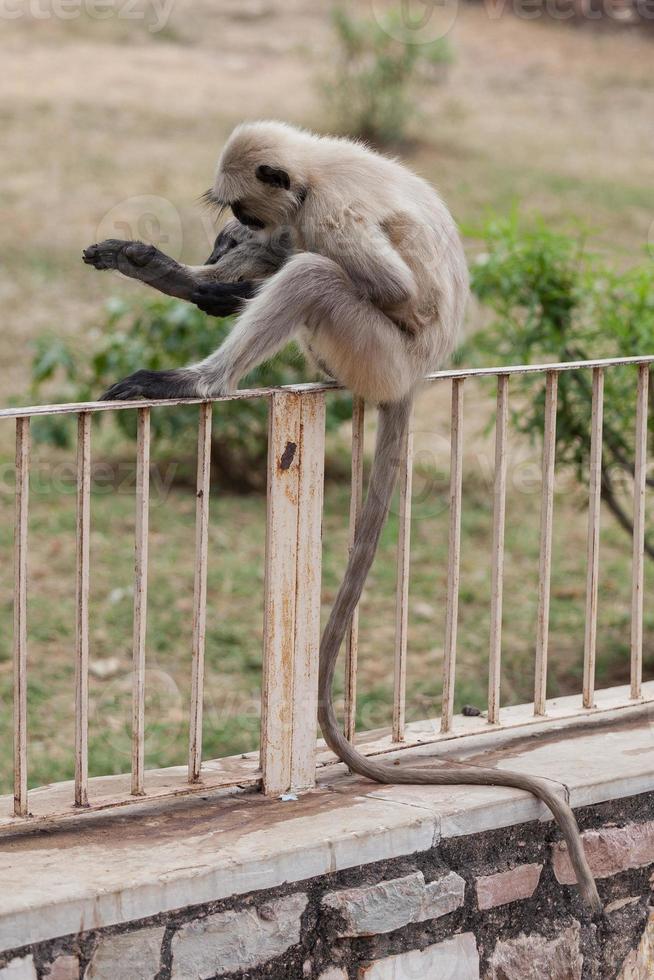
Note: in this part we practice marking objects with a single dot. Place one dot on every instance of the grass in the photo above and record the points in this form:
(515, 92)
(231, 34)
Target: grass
(524, 117)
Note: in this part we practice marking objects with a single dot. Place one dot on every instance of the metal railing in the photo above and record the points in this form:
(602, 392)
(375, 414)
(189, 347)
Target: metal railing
(289, 751)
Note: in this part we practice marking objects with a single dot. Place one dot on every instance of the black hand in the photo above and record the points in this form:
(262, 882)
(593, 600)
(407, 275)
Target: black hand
(152, 384)
(223, 298)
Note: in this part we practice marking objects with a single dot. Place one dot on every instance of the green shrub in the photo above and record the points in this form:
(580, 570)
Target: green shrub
(162, 333)
(369, 93)
(553, 300)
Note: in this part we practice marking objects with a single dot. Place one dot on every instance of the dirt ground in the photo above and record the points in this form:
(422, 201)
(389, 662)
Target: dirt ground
(98, 115)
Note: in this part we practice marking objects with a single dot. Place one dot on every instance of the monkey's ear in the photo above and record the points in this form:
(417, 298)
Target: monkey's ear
(273, 176)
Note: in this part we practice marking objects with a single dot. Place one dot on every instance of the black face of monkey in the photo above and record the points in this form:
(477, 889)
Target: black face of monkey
(249, 220)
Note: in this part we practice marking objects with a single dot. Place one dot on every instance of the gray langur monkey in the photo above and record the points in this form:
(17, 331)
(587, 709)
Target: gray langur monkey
(375, 292)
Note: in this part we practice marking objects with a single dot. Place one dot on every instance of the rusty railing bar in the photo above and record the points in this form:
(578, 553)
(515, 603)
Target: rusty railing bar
(545, 560)
(82, 610)
(638, 563)
(203, 489)
(594, 513)
(352, 635)
(313, 387)
(497, 559)
(140, 600)
(454, 555)
(20, 615)
(402, 592)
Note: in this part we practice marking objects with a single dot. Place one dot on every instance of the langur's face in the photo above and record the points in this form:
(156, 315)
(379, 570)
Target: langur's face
(261, 194)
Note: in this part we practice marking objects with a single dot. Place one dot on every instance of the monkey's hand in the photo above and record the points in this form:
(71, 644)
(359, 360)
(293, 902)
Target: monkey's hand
(134, 259)
(223, 298)
(181, 383)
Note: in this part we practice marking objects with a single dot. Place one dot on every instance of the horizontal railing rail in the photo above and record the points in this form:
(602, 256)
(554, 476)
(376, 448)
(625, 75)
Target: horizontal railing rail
(289, 752)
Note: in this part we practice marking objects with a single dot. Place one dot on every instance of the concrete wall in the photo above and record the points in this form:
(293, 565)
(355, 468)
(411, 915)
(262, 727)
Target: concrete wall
(496, 905)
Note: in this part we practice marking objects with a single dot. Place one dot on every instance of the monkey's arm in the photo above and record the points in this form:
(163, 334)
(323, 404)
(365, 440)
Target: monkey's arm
(151, 266)
(375, 267)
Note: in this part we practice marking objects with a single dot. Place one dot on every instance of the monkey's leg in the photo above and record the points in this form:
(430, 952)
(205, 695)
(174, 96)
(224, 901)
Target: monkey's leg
(364, 349)
(360, 346)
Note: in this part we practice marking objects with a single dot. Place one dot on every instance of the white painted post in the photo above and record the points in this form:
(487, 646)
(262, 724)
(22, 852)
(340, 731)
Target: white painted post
(296, 452)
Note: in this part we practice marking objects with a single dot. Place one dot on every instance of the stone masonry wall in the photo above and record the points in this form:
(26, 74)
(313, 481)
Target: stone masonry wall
(498, 906)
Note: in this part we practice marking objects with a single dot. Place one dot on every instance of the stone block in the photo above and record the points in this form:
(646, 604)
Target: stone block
(63, 968)
(455, 959)
(508, 886)
(237, 940)
(127, 956)
(384, 907)
(20, 968)
(609, 851)
(538, 956)
(442, 896)
(388, 905)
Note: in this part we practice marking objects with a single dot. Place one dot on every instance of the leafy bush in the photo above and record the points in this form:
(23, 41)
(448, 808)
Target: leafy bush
(369, 94)
(555, 300)
(156, 334)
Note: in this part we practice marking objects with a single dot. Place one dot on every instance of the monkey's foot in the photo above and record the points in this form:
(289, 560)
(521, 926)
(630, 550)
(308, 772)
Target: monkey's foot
(154, 384)
(223, 298)
(134, 259)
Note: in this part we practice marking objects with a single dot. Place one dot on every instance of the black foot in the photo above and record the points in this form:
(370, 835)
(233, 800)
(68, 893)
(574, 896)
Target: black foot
(223, 298)
(152, 384)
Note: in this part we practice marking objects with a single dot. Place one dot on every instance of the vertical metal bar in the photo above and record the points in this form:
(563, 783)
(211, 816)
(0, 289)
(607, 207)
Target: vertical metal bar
(497, 560)
(20, 616)
(352, 635)
(545, 561)
(203, 488)
(402, 592)
(140, 599)
(454, 555)
(638, 564)
(284, 436)
(594, 504)
(82, 606)
(307, 592)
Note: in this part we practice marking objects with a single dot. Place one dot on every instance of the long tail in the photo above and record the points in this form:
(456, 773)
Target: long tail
(391, 435)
